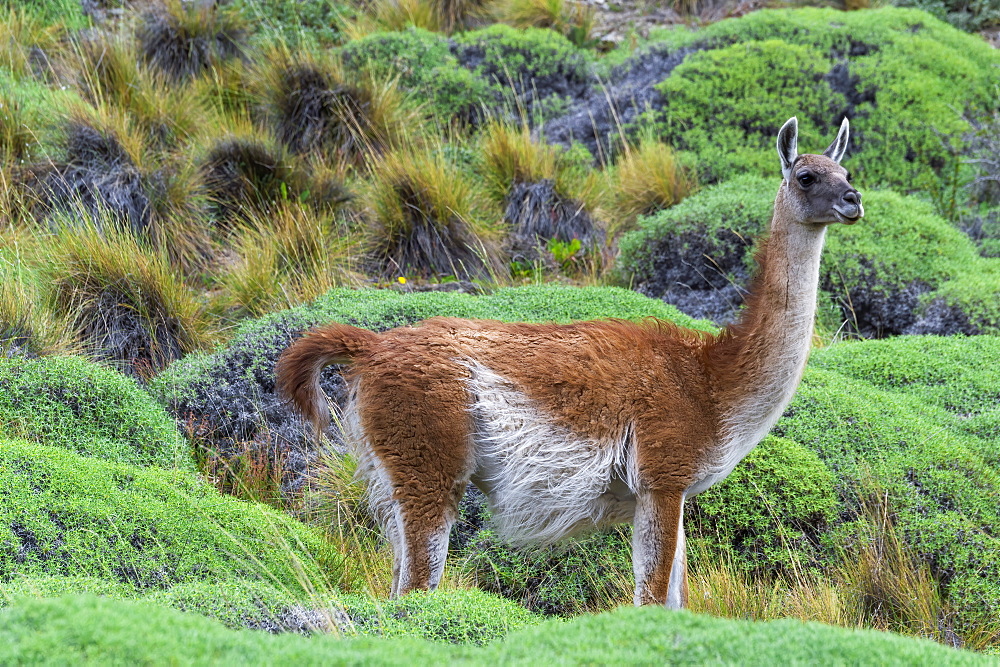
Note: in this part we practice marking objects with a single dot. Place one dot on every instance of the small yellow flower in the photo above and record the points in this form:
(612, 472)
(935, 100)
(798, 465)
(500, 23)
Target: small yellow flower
(402, 280)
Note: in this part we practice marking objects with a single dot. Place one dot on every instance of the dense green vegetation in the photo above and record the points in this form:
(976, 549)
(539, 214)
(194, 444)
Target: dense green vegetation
(910, 85)
(89, 630)
(186, 187)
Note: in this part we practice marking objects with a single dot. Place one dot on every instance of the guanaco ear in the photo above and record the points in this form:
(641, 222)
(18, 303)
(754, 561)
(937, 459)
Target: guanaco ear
(837, 149)
(788, 146)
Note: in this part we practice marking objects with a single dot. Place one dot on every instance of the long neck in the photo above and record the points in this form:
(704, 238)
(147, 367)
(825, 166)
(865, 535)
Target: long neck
(757, 363)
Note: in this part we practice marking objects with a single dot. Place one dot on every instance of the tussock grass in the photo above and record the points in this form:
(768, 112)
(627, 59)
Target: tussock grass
(511, 155)
(110, 75)
(27, 321)
(108, 173)
(428, 217)
(288, 257)
(25, 39)
(185, 39)
(572, 19)
(130, 308)
(649, 177)
(336, 500)
(314, 106)
(245, 175)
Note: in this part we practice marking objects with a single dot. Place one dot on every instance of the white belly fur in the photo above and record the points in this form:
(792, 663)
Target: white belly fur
(543, 481)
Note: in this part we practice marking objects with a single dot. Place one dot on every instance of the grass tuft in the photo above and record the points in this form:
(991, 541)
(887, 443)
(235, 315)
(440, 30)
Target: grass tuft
(288, 257)
(128, 305)
(649, 177)
(183, 40)
(429, 218)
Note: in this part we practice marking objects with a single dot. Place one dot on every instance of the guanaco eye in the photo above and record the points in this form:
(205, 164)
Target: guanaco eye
(805, 180)
(849, 175)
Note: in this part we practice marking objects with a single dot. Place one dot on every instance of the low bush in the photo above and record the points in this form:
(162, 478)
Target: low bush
(304, 24)
(892, 71)
(936, 479)
(455, 616)
(75, 404)
(532, 73)
(695, 254)
(770, 514)
(424, 66)
(70, 515)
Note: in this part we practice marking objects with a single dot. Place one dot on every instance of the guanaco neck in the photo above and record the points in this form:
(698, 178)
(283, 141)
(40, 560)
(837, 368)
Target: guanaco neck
(757, 363)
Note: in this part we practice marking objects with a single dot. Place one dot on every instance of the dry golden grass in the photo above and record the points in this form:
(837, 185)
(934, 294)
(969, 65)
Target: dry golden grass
(510, 155)
(89, 267)
(286, 258)
(572, 19)
(429, 217)
(647, 178)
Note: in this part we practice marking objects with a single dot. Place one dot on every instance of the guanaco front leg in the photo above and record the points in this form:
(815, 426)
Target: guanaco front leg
(659, 558)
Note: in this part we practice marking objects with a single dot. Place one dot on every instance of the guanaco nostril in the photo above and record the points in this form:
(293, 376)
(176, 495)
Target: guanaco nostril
(853, 197)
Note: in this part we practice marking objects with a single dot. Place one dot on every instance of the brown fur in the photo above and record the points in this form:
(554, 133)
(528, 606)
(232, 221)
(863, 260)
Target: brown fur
(677, 395)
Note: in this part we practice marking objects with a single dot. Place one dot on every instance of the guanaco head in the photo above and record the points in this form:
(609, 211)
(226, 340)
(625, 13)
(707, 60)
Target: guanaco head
(817, 190)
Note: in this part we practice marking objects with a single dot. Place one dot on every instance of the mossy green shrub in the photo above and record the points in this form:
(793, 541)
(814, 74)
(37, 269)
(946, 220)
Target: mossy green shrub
(67, 13)
(904, 78)
(423, 64)
(70, 515)
(239, 603)
(535, 70)
(770, 513)
(51, 586)
(571, 577)
(81, 406)
(902, 269)
(92, 630)
(955, 373)
(940, 483)
(970, 16)
(456, 616)
(724, 103)
(304, 24)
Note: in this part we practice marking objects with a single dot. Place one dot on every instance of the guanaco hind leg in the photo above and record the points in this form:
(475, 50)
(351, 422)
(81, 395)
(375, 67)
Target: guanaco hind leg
(659, 558)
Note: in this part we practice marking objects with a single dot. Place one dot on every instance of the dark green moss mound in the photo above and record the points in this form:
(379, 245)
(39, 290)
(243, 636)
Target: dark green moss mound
(770, 513)
(454, 616)
(902, 270)
(941, 482)
(68, 515)
(78, 405)
(538, 67)
(423, 64)
(904, 78)
(89, 630)
(573, 577)
(303, 24)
